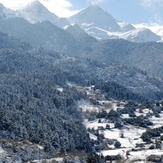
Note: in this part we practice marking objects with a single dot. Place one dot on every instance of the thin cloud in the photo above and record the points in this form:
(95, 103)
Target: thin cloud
(61, 8)
(155, 7)
(152, 3)
(16, 4)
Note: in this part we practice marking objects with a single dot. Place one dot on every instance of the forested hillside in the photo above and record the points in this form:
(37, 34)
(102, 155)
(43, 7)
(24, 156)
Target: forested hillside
(39, 105)
(32, 108)
(145, 56)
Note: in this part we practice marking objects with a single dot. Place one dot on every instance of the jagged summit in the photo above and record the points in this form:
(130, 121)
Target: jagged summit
(34, 6)
(94, 7)
(6, 12)
(95, 16)
(37, 12)
(35, 3)
(1, 6)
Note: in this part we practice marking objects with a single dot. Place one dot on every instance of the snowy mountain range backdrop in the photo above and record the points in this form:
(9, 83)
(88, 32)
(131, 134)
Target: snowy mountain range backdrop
(94, 20)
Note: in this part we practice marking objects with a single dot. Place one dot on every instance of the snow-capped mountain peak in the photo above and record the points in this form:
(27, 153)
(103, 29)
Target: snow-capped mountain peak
(37, 12)
(5, 12)
(95, 16)
(35, 6)
(93, 8)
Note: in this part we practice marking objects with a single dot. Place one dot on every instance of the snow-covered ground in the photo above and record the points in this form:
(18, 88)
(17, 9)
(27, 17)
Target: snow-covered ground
(132, 149)
(157, 121)
(87, 106)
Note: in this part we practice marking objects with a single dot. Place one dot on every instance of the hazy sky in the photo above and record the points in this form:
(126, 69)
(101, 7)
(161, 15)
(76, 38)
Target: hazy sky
(133, 11)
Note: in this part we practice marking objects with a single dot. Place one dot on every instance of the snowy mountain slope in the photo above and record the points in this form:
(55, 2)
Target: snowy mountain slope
(157, 29)
(101, 34)
(125, 26)
(94, 16)
(145, 56)
(6, 13)
(36, 12)
(44, 34)
(140, 35)
(76, 31)
(135, 35)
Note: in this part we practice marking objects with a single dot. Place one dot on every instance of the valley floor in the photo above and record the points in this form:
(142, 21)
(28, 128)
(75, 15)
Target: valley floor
(104, 132)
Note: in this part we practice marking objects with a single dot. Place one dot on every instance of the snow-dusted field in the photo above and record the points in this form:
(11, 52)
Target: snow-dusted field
(132, 148)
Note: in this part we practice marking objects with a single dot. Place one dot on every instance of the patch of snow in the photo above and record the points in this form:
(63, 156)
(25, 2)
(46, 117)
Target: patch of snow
(1, 150)
(71, 84)
(87, 106)
(92, 136)
(144, 154)
(157, 121)
(114, 152)
(60, 89)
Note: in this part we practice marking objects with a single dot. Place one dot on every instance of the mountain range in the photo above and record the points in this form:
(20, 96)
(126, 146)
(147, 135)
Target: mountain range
(74, 39)
(101, 25)
(94, 20)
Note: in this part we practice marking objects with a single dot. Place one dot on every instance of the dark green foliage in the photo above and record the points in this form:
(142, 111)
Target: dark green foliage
(39, 120)
(158, 145)
(117, 144)
(8, 42)
(117, 91)
(113, 114)
(112, 158)
(94, 158)
(141, 121)
(101, 114)
(161, 138)
(118, 124)
(151, 147)
(152, 133)
(32, 108)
